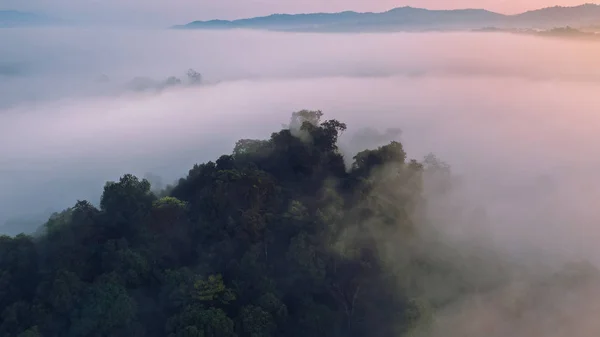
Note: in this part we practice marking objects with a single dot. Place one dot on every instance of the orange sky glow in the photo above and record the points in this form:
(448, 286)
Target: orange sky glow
(502, 6)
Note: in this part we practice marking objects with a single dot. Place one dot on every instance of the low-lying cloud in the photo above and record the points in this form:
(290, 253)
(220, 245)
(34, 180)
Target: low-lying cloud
(516, 112)
(514, 116)
(54, 63)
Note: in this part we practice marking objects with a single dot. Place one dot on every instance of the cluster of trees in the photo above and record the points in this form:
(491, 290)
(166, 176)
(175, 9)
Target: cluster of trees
(271, 240)
(567, 32)
(144, 83)
(278, 238)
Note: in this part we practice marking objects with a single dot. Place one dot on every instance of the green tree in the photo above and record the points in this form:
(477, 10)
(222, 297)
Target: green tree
(195, 320)
(106, 310)
(256, 322)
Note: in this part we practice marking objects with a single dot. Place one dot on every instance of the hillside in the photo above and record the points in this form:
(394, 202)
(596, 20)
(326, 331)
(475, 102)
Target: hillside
(410, 18)
(247, 245)
(276, 239)
(578, 16)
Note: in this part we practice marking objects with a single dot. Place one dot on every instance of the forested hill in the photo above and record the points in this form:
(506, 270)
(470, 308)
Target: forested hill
(410, 18)
(278, 238)
(243, 246)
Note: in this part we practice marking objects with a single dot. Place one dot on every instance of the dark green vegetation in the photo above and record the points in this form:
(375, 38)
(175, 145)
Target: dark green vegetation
(409, 18)
(272, 240)
(278, 238)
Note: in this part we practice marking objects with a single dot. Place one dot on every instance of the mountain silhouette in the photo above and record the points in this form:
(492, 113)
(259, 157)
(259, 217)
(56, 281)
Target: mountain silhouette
(410, 18)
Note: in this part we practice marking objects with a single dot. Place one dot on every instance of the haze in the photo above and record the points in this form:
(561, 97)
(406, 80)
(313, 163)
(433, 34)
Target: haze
(514, 116)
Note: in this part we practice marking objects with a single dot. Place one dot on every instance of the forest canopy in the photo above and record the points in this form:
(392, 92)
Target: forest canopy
(277, 238)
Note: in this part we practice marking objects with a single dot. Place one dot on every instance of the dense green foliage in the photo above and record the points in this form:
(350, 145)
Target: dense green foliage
(278, 238)
(272, 240)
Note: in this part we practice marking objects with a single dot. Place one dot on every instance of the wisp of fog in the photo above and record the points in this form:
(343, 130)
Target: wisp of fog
(515, 117)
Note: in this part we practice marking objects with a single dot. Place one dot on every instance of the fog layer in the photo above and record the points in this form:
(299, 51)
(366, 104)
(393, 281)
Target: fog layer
(514, 116)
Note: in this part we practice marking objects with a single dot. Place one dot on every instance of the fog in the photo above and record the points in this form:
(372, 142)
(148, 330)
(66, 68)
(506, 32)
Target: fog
(514, 116)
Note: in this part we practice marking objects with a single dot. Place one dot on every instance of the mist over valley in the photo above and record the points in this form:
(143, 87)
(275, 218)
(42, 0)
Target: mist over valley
(514, 117)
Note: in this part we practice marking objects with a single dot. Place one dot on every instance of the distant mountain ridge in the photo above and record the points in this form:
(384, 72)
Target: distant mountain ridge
(10, 18)
(411, 18)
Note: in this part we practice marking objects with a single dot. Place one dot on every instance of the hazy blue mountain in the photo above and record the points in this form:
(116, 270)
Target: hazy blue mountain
(582, 15)
(410, 18)
(20, 19)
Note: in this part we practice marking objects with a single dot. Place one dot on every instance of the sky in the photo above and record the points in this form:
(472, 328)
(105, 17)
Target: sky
(182, 11)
